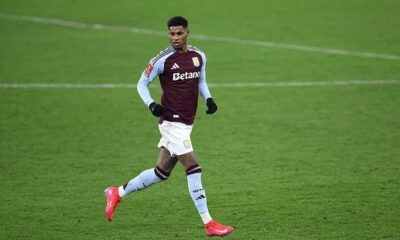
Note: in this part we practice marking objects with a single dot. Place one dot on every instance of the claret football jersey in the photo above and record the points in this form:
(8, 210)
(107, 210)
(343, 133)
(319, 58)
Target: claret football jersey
(182, 77)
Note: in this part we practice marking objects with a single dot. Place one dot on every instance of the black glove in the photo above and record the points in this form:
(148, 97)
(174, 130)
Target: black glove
(157, 109)
(212, 107)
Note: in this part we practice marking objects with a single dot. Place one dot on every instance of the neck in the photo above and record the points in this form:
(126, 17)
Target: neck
(182, 49)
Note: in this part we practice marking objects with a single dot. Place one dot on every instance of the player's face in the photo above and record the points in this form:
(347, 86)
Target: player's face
(178, 36)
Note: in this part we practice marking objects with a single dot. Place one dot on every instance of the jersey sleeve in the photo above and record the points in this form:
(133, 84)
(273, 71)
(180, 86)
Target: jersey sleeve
(203, 87)
(153, 69)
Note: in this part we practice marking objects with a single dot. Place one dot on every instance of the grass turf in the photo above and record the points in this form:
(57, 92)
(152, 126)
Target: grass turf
(279, 163)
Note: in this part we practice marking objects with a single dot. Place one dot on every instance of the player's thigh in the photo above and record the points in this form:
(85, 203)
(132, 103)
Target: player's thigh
(165, 161)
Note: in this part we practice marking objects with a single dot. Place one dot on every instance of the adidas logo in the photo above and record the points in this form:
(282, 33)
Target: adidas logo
(200, 197)
(175, 66)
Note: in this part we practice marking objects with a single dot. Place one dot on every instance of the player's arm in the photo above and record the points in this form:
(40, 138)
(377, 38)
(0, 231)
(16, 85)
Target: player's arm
(204, 91)
(148, 75)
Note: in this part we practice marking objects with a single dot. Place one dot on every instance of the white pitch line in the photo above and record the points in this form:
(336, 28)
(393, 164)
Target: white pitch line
(211, 85)
(98, 26)
(302, 84)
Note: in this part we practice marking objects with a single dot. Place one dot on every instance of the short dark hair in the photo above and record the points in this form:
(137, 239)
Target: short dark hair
(177, 21)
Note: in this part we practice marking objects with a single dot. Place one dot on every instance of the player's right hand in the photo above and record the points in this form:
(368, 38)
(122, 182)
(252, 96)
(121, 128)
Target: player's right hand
(157, 109)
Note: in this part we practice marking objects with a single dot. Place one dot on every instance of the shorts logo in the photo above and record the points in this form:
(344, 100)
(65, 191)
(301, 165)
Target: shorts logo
(196, 61)
(186, 143)
(148, 69)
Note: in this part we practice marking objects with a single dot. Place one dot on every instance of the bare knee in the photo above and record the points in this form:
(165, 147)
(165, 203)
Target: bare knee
(188, 160)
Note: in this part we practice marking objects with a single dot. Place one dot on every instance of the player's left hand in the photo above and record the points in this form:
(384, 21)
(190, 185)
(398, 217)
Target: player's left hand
(211, 105)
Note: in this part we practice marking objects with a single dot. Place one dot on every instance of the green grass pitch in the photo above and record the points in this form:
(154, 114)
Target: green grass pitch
(311, 162)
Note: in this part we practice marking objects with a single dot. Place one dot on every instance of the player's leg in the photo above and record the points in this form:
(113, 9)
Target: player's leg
(145, 179)
(193, 172)
(165, 164)
(196, 190)
(165, 161)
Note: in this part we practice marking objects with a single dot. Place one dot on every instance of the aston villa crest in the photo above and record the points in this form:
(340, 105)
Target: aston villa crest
(196, 61)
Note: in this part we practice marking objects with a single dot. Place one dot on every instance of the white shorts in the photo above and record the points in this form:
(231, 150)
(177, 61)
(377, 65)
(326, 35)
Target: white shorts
(175, 137)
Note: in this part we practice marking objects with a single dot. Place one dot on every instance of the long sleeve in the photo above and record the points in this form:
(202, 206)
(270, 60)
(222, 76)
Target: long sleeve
(143, 90)
(203, 87)
(154, 68)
